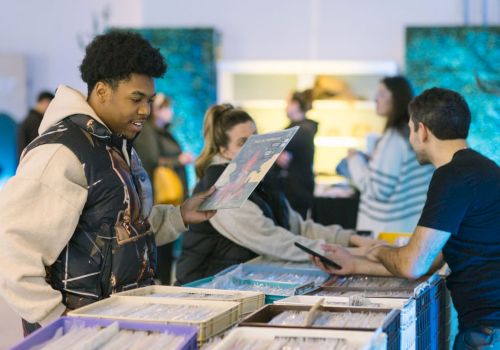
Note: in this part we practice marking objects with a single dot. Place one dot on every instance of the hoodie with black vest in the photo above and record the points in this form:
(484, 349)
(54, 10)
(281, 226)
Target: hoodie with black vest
(265, 225)
(77, 222)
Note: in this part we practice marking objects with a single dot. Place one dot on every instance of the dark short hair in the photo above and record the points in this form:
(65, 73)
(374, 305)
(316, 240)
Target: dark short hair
(303, 98)
(444, 112)
(114, 56)
(45, 95)
(402, 93)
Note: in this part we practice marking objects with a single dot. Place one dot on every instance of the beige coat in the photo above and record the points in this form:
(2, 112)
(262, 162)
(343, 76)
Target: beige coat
(39, 210)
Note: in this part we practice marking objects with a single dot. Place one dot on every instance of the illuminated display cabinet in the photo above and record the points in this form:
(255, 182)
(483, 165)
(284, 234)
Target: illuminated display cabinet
(345, 118)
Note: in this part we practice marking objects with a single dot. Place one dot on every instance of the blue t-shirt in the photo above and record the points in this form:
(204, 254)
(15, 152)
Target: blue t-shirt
(464, 199)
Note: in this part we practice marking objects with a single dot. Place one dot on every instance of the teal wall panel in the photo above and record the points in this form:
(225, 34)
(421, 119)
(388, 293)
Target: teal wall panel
(467, 60)
(8, 153)
(190, 80)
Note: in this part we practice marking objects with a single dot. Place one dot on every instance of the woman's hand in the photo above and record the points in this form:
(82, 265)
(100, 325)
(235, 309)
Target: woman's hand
(361, 241)
(284, 160)
(365, 247)
(351, 152)
(341, 256)
(186, 158)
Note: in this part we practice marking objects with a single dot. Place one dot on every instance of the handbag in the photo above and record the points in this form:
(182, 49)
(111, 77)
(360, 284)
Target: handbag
(167, 186)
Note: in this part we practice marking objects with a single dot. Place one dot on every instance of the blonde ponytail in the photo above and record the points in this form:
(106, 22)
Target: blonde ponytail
(218, 120)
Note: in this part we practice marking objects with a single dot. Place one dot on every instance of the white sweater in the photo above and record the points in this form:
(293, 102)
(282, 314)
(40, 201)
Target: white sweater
(393, 186)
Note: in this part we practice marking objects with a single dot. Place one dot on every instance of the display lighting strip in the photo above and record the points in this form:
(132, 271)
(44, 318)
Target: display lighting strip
(337, 141)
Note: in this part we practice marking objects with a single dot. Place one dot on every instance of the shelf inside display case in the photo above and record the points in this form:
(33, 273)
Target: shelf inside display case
(345, 121)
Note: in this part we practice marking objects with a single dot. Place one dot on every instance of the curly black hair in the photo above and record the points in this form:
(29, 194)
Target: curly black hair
(113, 56)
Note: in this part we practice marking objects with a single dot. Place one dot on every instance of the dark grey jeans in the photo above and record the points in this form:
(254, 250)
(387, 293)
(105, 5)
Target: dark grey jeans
(480, 338)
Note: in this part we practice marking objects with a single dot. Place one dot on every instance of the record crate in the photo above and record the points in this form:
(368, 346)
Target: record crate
(255, 277)
(362, 340)
(390, 325)
(44, 334)
(225, 313)
(249, 301)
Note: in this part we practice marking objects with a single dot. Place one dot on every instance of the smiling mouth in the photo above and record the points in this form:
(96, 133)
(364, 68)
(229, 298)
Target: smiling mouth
(138, 123)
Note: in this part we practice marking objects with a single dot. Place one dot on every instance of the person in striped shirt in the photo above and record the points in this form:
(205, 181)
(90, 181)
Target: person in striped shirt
(393, 185)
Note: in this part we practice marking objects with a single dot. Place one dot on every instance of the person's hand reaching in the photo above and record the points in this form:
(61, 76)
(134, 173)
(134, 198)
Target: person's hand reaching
(186, 158)
(341, 256)
(284, 159)
(361, 241)
(189, 209)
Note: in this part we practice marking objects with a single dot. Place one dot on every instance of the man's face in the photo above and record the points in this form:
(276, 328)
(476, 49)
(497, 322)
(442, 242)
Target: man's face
(126, 108)
(417, 145)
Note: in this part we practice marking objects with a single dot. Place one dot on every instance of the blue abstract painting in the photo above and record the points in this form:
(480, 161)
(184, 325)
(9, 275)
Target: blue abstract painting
(190, 80)
(8, 158)
(467, 60)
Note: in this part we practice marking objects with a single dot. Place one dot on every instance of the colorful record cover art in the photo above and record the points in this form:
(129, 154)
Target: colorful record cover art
(247, 169)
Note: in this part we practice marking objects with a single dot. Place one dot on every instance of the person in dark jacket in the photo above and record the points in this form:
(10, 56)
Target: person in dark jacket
(296, 162)
(77, 220)
(265, 224)
(28, 129)
(157, 146)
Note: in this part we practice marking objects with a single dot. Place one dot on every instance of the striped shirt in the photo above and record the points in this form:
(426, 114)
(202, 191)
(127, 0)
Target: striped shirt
(393, 186)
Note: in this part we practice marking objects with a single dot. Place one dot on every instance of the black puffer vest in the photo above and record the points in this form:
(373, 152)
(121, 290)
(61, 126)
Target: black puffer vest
(205, 251)
(113, 248)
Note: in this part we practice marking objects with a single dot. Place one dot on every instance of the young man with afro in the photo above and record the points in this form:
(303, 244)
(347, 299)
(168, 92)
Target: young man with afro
(77, 221)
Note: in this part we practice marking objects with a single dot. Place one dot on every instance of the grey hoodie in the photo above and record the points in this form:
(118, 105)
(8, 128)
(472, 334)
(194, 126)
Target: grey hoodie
(39, 210)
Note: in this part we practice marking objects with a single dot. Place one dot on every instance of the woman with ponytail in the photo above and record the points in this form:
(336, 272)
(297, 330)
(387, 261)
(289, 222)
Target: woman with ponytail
(264, 225)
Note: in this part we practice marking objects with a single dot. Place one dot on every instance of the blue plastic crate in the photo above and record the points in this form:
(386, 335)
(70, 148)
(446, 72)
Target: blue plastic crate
(439, 315)
(261, 268)
(393, 332)
(423, 318)
(431, 316)
(45, 333)
(295, 289)
(424, 340)
(200, 282)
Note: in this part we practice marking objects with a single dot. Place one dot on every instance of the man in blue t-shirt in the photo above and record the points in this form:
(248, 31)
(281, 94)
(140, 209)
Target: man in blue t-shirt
(459, 225)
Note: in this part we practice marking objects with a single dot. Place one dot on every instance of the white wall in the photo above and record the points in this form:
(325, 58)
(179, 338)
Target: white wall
(313, 29)
(13, 90)
(46, 33)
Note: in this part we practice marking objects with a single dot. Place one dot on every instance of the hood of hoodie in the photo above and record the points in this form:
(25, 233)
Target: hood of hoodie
(66, 102)
(219, 160)
(307, 124)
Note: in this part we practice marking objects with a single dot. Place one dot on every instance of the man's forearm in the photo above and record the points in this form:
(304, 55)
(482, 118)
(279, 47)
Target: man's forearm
(420, 256)
(436, 264)
(364, 266)
(392, 258)
(402, 263)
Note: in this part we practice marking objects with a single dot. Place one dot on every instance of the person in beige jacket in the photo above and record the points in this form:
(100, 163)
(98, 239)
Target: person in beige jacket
(76, 221)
